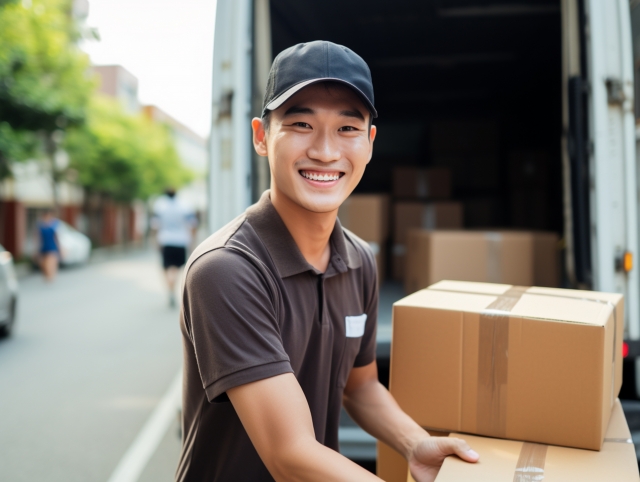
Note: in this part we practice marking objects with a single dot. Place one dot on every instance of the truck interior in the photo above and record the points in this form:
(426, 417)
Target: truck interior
(474, 85)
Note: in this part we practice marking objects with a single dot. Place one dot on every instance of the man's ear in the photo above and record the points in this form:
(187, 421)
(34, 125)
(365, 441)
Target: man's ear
(372, 137)
(259, 137)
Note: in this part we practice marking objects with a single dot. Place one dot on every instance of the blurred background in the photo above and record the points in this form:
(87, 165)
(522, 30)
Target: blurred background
(500, 120)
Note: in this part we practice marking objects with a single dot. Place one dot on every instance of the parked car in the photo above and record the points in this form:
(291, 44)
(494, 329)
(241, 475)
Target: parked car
(76, 247)
(8, 293)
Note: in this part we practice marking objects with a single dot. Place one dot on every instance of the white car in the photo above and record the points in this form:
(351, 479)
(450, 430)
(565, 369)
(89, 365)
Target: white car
(8, 293)
(76, 247)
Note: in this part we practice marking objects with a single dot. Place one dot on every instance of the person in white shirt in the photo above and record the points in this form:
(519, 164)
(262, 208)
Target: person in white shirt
(174, 223)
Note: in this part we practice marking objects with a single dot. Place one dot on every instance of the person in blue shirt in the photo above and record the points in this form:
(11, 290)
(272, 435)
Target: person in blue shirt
(49, 245)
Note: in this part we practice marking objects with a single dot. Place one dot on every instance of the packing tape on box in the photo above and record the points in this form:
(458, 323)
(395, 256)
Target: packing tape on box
(493, 362)
(429, 217)
(423, 186)
(530, 466)
(494, 257)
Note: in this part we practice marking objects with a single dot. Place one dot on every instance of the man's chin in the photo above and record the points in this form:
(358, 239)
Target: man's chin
(320, 203)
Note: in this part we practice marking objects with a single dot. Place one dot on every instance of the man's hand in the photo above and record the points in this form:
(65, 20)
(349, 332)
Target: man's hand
(428, 455)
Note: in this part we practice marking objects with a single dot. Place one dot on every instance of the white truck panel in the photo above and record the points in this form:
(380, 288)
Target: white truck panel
(614, 193)
(230, 140)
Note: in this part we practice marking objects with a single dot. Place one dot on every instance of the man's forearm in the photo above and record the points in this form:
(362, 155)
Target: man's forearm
(313, 462)
(373, 408)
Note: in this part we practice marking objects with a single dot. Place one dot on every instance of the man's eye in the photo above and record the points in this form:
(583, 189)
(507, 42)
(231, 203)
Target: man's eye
(301, 124)
(347, 129)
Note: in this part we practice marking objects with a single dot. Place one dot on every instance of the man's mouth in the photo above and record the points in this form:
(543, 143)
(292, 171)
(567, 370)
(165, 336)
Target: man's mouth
(321, 176)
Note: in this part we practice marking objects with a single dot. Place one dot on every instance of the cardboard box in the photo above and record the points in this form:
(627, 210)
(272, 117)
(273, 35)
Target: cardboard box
(546, 259)
(410, 215)
(532, 364)
(421, 183)
(366, 216)
(496, 257)
(508, 461)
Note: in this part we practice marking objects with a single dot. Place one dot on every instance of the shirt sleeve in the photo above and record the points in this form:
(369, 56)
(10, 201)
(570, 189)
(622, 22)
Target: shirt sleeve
(230, 308)
(367, 353)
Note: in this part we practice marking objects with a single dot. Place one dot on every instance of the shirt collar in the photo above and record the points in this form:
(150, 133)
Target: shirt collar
(283, 249)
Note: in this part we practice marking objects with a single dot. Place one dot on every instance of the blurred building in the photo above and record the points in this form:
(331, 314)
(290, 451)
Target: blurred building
(193, 153)
(117, 82)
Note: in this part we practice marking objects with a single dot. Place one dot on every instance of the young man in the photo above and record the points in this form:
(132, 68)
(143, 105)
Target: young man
(280, 306)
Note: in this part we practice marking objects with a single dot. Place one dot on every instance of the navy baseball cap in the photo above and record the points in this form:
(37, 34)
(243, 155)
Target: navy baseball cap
(319, 61)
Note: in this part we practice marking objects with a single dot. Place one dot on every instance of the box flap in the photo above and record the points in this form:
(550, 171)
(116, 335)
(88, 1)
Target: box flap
(445, 300)
(573, 310)
(552, 308)
(471, 287)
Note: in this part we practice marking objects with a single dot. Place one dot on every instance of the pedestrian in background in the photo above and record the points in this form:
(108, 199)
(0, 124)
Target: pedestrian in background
(175, 224)
(48, 245)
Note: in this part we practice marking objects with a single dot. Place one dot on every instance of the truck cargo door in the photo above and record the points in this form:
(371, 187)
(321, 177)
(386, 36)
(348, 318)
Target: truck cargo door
(612, 176)
(230, 140)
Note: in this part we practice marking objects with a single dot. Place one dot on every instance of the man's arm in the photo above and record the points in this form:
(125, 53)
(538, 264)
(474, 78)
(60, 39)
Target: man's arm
(372, 407)
(275, 413)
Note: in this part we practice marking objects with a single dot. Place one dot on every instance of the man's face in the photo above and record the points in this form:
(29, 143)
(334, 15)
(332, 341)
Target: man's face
(318, 144)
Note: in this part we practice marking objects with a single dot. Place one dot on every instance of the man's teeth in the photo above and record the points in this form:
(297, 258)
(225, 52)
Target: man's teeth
(320, 177)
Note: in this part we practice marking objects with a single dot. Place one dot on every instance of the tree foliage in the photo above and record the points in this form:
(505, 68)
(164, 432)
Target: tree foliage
(44, 81)
(124, 156)
(44, 84)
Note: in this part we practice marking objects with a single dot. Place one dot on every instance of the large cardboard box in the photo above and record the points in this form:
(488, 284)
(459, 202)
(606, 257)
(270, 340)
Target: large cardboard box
(495, 257)
(546, 259)
(367, 216)
(411, 215)
(508, 461)
(528, 364)
(421, 183)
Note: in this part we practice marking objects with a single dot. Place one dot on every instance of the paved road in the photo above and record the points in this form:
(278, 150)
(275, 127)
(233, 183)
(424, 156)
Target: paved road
(91, 357)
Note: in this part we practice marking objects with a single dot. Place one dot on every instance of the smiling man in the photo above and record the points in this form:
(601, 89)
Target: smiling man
(280, 306)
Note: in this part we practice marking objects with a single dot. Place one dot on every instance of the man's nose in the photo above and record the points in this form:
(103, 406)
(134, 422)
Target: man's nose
(324, 148)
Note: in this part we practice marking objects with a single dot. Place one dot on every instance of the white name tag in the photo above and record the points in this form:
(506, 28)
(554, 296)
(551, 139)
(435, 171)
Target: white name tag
(355, 325)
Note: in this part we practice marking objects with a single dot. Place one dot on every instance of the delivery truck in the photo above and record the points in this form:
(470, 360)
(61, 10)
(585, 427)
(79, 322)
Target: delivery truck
(529, 103)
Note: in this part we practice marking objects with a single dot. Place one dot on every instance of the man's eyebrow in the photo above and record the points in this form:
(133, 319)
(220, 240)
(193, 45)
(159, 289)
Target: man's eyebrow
(352, 113)
(298, 109)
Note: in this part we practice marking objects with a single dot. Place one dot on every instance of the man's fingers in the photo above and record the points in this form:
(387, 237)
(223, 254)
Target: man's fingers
(461, 449)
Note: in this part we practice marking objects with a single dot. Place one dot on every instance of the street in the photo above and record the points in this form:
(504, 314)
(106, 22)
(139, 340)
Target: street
(91, 357)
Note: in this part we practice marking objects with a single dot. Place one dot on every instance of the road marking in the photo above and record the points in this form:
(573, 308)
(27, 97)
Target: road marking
(146, 443)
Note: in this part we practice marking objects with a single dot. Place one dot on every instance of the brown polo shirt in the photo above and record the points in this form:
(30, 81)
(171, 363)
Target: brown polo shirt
(254, 308)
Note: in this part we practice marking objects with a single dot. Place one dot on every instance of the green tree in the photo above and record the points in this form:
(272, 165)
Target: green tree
(44, 84)
(124, 156)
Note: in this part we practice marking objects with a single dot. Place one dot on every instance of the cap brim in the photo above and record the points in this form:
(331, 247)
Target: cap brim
(287, 94)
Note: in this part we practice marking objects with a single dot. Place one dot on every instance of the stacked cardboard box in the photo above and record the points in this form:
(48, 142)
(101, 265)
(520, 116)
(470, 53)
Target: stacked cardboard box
(508, 460)
(512, 257)
(429, 215)
(421, 183)
(367, 216)
(535, 365)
